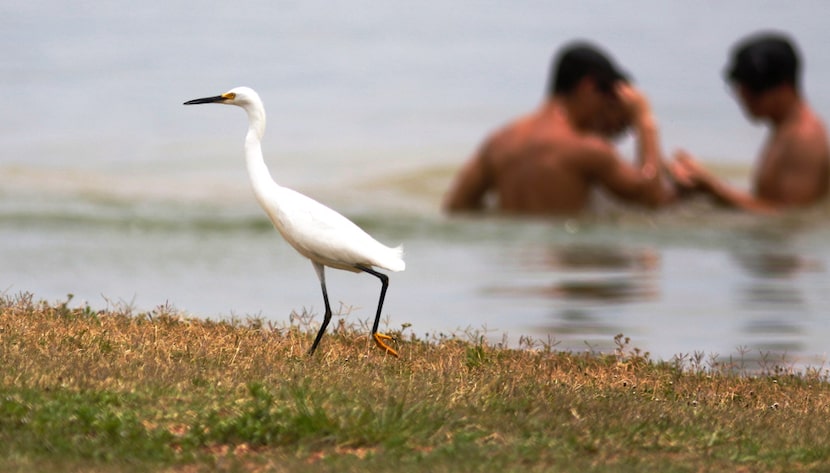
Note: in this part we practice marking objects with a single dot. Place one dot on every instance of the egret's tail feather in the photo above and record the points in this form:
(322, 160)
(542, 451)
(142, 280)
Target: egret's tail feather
(395, 261)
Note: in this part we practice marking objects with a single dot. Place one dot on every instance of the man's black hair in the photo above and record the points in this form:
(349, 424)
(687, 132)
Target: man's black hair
(578, 60)
(763, 61)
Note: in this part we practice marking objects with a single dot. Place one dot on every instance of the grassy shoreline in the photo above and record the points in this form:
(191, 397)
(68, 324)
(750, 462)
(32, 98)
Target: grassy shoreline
(85, 390)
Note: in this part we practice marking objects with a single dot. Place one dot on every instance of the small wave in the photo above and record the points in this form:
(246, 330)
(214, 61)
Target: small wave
(68, 215)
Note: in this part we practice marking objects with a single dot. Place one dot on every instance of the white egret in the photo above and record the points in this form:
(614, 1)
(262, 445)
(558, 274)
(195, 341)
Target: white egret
(314, 230)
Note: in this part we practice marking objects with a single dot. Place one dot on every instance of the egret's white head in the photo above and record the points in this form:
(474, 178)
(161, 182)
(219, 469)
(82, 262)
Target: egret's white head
(244, 97)
(240, 96)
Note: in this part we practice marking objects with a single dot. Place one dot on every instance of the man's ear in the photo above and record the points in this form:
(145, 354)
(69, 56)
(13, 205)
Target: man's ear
(586, 84)
(588, 88)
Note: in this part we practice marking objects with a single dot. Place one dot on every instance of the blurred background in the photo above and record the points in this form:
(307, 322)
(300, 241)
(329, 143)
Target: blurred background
(113, 191)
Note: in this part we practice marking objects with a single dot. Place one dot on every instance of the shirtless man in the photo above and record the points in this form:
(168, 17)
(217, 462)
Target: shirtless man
(794, 166)
(548, 162)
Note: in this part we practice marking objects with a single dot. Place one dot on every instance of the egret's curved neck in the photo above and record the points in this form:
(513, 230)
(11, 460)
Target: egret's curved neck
(257, 170)
(256, 119)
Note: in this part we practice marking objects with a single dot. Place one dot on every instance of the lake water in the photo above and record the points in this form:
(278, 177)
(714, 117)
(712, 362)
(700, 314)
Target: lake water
(114, 192)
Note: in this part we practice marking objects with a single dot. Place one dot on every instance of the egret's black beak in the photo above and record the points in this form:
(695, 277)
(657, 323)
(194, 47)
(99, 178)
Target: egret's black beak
(218, 98)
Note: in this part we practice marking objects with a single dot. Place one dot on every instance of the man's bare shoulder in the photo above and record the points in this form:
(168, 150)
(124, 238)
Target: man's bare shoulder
(807, 138)
(592, 149)
(511, 131)
(812, 128)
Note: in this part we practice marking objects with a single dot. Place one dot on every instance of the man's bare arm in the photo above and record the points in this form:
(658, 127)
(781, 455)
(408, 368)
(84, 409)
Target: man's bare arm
(628, 182)
(645, 127)
(640, 183)
(470, 186)
(686, 169)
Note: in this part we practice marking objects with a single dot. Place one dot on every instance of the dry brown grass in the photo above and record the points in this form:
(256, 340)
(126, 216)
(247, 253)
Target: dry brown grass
(243, 394)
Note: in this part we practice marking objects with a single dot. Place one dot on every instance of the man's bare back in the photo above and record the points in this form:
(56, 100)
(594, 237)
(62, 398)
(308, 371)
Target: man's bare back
(533, 166)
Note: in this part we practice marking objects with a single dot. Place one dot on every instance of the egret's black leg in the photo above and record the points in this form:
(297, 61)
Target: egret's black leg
(379, 337)
(327, 317)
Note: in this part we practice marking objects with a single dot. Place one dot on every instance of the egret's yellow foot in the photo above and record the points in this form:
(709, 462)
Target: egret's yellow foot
(379, 339)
